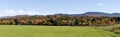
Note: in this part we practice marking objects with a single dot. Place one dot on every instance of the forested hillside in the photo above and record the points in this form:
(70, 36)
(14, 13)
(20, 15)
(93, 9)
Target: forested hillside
(56, 20)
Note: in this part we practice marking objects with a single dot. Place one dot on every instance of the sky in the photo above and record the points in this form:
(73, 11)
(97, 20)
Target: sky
(48, 7)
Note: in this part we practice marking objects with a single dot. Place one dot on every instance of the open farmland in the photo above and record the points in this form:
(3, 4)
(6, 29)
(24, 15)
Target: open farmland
(52, 31)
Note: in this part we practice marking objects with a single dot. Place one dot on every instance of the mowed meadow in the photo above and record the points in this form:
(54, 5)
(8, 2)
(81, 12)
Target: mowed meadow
(52, 31)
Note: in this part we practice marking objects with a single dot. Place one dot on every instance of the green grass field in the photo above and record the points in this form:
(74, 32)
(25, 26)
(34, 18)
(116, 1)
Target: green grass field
(52, 31)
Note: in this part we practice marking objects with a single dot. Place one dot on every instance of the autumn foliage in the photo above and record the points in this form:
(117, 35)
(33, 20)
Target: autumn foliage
(53, 20)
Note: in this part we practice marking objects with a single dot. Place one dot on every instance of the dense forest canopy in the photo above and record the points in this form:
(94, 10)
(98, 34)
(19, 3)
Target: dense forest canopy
(57, 20)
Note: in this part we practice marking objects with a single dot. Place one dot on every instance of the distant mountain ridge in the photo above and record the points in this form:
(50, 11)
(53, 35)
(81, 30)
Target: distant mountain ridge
(60, 14)
(93, 14)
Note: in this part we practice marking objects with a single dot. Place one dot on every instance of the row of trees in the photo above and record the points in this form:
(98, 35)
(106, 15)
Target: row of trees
(53, 20)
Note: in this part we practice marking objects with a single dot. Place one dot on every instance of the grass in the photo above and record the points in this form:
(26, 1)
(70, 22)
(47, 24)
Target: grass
(113, 28)
(52, 31)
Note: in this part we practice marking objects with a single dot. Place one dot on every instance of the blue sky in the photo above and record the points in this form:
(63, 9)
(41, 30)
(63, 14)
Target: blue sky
(44, 7)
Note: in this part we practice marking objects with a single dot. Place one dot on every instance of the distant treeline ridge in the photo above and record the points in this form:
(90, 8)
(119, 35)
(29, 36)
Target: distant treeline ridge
(53, 20)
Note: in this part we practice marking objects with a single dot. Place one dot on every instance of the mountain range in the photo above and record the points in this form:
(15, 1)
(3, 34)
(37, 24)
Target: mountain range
(93, 14)
(60, 14)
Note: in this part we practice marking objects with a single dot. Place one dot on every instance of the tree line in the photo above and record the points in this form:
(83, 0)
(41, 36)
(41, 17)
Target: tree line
(53, 20)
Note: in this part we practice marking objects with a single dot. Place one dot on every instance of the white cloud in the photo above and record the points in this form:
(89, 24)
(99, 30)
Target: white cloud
(21, 12)
(11, 12)
(100, 4)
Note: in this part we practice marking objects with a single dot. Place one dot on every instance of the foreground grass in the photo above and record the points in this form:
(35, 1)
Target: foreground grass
(113, 28)
(52, 31)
